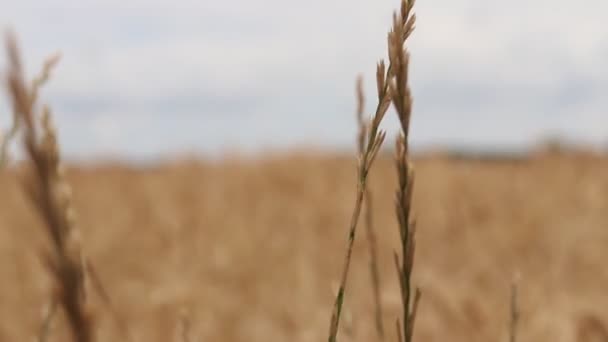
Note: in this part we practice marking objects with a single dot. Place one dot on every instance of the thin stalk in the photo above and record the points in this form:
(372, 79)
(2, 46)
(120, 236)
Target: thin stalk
(369, 218)
(374, 138)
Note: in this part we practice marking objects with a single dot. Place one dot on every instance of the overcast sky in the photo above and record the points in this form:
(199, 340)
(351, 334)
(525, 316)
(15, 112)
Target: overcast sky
(142, 79)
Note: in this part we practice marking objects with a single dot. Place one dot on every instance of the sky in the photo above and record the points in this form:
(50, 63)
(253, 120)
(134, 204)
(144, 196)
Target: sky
(150, 79)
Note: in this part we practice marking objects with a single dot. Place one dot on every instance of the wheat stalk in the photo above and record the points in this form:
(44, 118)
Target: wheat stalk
(403, 26)
(369, 219)
(50, 194)
(367, 155)
(392, 86)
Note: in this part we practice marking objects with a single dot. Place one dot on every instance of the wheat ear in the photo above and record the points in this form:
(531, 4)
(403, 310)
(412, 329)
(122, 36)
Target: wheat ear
(403, 26)
(50, 194)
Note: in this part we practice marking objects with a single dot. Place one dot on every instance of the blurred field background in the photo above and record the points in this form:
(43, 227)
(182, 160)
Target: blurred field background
(250, 250)
(210, 148)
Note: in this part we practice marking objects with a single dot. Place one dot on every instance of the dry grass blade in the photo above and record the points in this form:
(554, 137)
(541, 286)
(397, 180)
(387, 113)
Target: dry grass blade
(369, 219)
(50, 194)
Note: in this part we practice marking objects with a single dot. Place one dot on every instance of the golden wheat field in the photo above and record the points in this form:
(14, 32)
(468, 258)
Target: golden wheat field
(251, 250)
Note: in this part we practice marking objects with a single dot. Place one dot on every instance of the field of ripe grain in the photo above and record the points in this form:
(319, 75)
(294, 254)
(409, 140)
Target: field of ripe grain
(252, 250)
